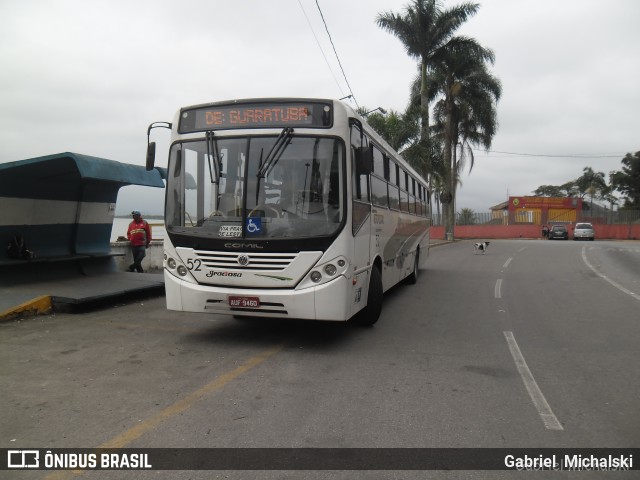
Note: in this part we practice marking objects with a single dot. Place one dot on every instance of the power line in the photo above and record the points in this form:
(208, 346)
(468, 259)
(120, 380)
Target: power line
(321, 50)
(336, 53)
(568, 155)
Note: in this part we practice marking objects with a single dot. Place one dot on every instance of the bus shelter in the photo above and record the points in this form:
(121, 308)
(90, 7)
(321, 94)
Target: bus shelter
(63, 205)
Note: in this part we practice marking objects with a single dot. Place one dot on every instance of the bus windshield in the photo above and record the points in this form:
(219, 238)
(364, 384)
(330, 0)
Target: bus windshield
(262, 187)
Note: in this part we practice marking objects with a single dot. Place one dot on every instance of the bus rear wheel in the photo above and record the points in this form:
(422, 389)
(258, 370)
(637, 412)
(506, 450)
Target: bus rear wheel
(370, 314)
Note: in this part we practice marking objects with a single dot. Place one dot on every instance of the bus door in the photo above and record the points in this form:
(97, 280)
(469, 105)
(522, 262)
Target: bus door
(361, 217)
(361, 225)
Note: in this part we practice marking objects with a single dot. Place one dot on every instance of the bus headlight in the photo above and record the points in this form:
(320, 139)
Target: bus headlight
(330, 269)
(174, 265)
(182, 270)
(325, 272)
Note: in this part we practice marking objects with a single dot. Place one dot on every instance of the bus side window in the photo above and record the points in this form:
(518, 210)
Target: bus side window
(334, 198)
(394, 193)
(378, 162)
(360, 181)
(404, 194)
(379, 194)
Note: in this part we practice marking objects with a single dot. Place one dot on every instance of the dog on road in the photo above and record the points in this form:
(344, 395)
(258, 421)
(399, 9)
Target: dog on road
(481, 247)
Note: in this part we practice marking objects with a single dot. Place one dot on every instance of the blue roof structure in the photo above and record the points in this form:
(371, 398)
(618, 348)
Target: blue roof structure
(64, 204)
(25, 178)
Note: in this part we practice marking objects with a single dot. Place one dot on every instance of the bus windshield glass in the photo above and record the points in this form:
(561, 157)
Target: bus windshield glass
(262, 187)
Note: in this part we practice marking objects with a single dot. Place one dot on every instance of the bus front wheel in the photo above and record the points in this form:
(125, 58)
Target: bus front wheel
(370, 314)
(413, 278)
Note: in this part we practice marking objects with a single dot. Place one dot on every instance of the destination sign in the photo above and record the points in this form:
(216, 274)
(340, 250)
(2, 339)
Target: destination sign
(263, 115)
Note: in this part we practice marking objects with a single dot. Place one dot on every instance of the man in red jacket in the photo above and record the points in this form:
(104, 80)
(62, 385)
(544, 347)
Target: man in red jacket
(139, 234)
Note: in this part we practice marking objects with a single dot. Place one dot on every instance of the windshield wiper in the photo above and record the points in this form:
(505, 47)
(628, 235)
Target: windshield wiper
(212, 148)
(276, 151)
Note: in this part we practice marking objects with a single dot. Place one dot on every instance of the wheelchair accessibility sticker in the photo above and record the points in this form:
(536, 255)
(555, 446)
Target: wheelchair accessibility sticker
(254, 225)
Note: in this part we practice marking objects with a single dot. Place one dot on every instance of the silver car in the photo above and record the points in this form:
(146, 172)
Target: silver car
(583, 231)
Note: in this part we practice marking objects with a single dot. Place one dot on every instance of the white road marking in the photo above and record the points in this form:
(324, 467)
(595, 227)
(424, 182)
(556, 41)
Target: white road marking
(506, 264)
(497, 290)
(604, 277)
(544, 410)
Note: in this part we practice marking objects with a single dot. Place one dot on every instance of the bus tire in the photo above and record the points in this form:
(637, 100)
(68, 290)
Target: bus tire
(370, 314)
(413, 278)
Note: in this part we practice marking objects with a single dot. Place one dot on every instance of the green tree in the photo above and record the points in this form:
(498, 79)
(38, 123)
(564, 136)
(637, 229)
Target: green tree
(549, 191)
(608, 193)
(399, 130)
(466, 216)
(427, 33)
(465, 114)
(402, 132)
(627, 180)
(568, 189)
(591, 183)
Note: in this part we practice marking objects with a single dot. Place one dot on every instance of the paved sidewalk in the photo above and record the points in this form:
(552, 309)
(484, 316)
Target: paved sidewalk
(42, 296)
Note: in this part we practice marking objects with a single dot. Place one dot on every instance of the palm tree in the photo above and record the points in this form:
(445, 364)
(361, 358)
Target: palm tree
(427, 32)
(467, 217)
(399, 130)
(591, 183)
(608, 194)
(465, 113)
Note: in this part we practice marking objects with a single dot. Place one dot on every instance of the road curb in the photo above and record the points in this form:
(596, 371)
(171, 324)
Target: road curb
(440, 243)
(36, 306)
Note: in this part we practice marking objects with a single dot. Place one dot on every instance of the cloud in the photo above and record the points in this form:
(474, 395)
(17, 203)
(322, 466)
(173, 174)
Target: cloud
(91, 76)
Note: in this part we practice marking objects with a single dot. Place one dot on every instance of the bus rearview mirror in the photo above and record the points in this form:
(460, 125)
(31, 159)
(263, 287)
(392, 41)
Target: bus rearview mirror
(151, 155)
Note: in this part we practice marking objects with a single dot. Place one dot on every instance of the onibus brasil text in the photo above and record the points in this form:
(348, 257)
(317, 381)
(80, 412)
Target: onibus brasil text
(115, 461)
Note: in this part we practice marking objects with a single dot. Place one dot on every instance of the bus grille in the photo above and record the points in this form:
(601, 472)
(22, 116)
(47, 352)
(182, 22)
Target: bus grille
(256, 261)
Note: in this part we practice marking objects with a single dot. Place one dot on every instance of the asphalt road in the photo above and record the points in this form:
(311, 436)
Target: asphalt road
(534, 344)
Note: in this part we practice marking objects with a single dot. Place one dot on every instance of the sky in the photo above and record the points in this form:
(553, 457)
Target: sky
(90, 76)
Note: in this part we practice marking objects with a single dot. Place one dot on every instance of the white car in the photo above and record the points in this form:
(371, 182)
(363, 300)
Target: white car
(583, 231)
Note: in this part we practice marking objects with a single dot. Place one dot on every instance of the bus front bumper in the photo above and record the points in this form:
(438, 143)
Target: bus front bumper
(329, 301)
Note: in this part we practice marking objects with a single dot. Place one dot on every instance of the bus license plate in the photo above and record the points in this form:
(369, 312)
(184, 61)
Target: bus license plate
(244, 302)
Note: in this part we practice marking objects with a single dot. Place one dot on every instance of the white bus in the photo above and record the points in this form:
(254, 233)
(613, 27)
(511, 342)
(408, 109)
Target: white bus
(289, 208)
